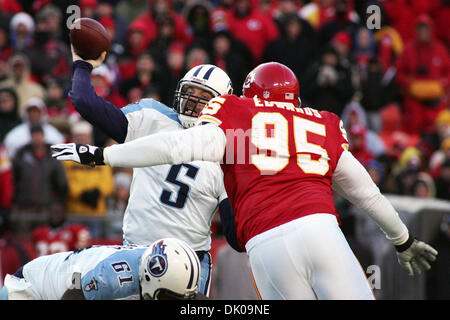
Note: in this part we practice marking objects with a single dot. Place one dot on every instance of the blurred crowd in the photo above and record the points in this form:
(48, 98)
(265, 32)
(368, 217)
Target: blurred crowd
(386, 73)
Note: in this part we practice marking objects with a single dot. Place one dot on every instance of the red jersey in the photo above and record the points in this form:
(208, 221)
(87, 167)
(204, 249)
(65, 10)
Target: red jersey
(67, 238)
(278, 162)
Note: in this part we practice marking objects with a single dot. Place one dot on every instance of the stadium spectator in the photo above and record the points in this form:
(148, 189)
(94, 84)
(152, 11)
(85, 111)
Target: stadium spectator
(9, 117)
(296, 46)
(389, 44)
(176, 64)
(148, 73)
(406, 170)
(49, 56)
(22, 28)
(159, 47)
(232, 56)
(34, 113)
(19, 78)
(131, 9)
(442, 181)
(104, 12)
(39, 182)
(196, 55)
(102, 80)
(59, 110)
(157, 8)
(13, 253)
(197, 16)
(6, 49)
(377, 86)
(88, 187)
(249, 25)
(424, 186)
(424, 77)
(87, 8)
(355, 114)
(56, 235)
(344, 19)
(439, 156)
(137, 39)
(327, 85)
(317, 13)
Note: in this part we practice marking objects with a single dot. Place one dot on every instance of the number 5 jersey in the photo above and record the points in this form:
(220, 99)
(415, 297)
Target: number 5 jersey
(169, 201)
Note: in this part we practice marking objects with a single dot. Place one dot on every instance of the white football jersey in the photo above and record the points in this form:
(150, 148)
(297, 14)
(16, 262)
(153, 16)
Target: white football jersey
(102, 272)
(169, 200)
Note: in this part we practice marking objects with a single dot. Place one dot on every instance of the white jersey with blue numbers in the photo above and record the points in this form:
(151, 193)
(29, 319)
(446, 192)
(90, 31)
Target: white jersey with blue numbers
(102, 272)
(169, 200)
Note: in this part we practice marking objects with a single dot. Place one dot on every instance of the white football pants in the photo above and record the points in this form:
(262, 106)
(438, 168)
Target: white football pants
(307, 258)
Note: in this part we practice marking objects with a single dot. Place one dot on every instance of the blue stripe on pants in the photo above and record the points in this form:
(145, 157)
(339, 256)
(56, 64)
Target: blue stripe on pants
(205, 274)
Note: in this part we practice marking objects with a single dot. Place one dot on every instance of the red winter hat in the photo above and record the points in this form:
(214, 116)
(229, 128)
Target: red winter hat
(342, 37)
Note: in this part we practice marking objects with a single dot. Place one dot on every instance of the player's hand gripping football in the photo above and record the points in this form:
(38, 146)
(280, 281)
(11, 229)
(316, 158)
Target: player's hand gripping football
(94, 63)
(415, 255)
(80, 153)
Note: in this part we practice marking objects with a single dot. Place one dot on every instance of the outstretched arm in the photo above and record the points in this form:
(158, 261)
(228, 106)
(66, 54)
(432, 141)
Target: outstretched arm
(353, 182)
(94, 109)
(206, 142)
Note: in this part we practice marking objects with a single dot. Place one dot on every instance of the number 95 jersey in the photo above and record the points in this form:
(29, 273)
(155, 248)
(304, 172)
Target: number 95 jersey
(278, 162)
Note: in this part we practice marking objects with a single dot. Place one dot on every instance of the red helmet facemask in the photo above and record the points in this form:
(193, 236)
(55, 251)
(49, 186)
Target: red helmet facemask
(272, 81)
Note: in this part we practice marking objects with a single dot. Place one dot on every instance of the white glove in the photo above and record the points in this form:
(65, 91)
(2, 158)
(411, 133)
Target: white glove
(415, 256)
(80, 153)
(93, 63)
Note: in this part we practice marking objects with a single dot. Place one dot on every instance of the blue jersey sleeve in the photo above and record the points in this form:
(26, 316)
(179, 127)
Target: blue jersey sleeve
(94, 109)
(116, 277)
(227, 220)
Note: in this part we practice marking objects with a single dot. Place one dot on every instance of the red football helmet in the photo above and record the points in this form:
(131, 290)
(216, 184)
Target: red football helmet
(272, 81)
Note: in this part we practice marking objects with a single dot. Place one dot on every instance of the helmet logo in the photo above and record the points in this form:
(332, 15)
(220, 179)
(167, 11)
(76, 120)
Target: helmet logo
(157, 264)
(266, 94)
(249, 80)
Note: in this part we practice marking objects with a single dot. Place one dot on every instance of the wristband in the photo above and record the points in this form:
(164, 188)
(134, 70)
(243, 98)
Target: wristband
(406, 245)
(98, 156)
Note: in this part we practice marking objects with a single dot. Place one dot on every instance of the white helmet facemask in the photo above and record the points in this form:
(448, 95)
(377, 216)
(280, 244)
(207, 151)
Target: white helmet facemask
(207, 77)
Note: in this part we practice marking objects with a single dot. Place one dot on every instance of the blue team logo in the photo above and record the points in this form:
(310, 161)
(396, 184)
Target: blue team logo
(157, 263)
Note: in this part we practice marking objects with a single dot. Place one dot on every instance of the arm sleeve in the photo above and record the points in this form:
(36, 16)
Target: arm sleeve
(228, 226)
(205, 142)
(94, 109)
(353, 182)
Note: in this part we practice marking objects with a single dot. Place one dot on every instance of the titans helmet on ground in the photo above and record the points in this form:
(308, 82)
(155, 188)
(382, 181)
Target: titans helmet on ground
(169, 269)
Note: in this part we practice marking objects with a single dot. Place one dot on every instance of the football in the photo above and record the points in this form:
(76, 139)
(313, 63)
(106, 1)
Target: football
(89, 38)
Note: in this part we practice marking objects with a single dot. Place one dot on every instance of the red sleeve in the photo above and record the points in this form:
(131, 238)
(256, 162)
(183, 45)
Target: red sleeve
(217, 111)
(337, 140)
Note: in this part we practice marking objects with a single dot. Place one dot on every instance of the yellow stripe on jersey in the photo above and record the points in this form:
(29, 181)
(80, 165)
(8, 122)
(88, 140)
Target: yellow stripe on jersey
(210, 119)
